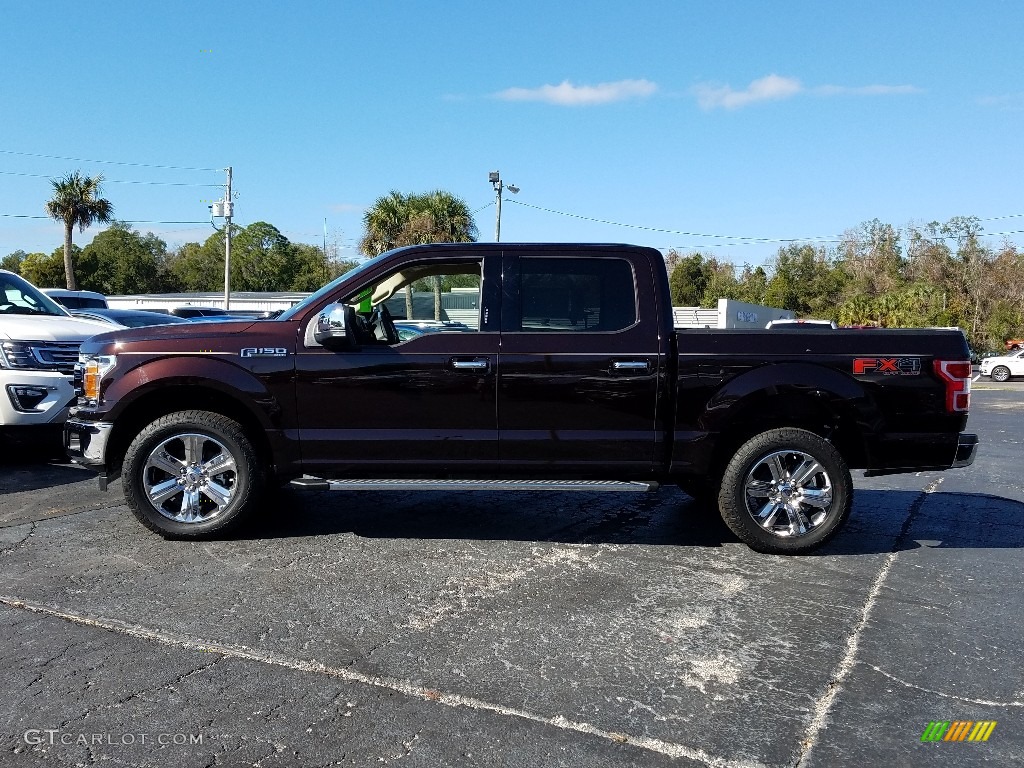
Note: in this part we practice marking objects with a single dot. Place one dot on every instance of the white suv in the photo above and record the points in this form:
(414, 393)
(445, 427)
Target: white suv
(39, 344)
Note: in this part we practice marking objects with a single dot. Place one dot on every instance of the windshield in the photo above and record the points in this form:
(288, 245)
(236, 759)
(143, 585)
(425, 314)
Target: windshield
(20, 297)
(312, 299)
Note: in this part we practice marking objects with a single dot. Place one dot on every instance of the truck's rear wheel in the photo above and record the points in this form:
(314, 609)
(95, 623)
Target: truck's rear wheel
(191, 474)
(786, 491)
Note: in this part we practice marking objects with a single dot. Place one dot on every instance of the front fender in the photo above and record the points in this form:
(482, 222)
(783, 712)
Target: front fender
(212, 371)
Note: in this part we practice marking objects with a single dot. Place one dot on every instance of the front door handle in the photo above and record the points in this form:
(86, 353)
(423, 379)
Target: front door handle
(474, 364)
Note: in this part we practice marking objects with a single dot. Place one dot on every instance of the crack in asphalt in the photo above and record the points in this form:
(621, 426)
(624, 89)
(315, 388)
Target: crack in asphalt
(396, 685)
(943, 694)
(823, 705)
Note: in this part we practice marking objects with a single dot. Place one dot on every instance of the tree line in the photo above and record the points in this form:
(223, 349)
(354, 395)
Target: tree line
(121, 260)
(936, 274)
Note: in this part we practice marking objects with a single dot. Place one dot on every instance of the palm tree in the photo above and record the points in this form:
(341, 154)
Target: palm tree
(383, 223)
(452, 223)
(76, 200)
(433, 217)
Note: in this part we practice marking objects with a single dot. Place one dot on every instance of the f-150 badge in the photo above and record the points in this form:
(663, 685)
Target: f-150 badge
(887, 366)
(263, 352)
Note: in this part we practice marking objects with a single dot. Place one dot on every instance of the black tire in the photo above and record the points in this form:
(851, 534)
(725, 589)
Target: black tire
(1000, 373)
(797, 481)
(192, 474)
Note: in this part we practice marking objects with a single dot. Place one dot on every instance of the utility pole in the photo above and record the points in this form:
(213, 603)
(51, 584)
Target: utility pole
(495, 178)
(228, 210)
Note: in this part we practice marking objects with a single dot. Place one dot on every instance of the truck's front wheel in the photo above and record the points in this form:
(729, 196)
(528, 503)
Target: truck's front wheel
(190, 474)
(786, 491)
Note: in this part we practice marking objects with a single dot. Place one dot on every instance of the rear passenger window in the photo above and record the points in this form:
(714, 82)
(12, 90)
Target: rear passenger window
(576, 295)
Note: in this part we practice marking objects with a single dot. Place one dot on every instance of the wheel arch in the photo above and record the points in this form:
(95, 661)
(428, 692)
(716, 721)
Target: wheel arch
(167, 399)
(805, 396)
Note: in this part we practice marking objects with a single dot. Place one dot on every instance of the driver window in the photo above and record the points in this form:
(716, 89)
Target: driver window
(421, 299)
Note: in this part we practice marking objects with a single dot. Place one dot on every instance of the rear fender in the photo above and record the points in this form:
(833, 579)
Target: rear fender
(775, 395)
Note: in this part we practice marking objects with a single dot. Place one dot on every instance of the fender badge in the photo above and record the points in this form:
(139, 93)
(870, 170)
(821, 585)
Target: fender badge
(887, 366)
(263, 352)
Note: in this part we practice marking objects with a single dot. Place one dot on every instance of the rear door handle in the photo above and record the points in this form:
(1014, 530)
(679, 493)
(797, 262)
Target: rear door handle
(474, 364)
(631, 366)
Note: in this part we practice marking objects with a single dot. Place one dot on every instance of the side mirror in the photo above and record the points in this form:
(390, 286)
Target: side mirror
(336, 327)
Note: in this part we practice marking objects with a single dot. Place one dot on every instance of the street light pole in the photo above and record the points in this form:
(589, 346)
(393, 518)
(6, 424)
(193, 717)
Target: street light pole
(228, 211)
(495, 178)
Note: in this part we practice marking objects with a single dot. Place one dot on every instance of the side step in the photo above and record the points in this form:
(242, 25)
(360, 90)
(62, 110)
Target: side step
(315, 483)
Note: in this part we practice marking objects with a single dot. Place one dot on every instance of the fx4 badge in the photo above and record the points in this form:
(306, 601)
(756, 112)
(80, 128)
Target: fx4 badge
(888, 366)
(263, 352)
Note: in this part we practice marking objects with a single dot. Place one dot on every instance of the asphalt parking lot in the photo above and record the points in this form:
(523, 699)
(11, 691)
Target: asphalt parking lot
(517, 629)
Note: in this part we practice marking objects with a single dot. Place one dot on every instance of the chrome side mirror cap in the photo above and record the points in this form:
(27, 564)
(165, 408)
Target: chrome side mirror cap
(336, 327)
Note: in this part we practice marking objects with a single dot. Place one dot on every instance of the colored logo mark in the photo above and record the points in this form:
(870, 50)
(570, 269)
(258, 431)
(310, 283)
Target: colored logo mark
(958, 730)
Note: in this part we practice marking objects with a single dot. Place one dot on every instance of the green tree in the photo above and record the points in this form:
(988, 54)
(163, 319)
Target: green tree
(309, 268)
(195, 267)
(689, 279)
(46, 271)
(120, 260)
(872, 258)
(260, 258)
(721, 283)
(12, 261)
(76, 202)
(807, 280)
(753, 284)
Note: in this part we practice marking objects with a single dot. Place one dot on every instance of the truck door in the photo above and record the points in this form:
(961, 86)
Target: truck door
(579, 364)
(420, 399)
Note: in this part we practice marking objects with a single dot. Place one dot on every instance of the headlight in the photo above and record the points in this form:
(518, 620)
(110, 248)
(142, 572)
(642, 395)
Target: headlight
(94, 368)
(15, 354)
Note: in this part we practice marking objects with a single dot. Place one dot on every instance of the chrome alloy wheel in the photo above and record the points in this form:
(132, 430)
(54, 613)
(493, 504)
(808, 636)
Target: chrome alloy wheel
(788, 493)
(190, 478)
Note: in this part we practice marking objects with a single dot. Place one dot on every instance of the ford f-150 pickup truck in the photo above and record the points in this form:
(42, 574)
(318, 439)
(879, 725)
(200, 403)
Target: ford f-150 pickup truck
(552, 367)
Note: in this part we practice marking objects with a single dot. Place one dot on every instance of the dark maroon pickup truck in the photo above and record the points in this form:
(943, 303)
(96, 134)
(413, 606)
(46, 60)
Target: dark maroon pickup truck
(515, 366)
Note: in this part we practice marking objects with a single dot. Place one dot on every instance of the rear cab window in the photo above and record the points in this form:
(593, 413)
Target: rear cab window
(575, 295)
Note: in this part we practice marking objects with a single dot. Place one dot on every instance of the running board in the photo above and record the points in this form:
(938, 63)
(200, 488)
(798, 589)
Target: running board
(315, 483)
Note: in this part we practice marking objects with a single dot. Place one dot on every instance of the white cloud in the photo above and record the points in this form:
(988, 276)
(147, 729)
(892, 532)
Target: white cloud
(865, 90)
(775, 87)
(1012, 102)
(568, 95)
(770, 88)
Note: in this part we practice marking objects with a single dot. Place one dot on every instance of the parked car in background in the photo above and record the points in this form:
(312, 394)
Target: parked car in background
(1004, 367)
(800, 325)
(39, 344)
(128, 318)
(190, 311)
(410, 329)
(77, 299)
(1014, 344)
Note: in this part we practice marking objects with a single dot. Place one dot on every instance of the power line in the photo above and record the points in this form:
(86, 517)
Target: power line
(746, 240)
(106, 162)
(118, 181)
(123, 221)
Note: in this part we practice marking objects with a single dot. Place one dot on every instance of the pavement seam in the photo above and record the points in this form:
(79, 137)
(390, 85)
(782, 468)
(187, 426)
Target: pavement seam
(846, 664)
(396, 685)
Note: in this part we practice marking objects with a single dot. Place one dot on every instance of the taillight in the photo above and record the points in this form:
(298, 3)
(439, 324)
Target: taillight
(957, 376)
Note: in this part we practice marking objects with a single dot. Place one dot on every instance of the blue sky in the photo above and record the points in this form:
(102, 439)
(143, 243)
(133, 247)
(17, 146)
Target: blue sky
(682, 120)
